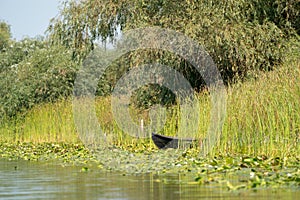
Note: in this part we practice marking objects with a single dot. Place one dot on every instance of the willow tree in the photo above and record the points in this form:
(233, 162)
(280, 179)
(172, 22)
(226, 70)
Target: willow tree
(241, 36)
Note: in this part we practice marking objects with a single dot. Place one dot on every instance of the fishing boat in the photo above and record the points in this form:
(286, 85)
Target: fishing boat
(164, 142)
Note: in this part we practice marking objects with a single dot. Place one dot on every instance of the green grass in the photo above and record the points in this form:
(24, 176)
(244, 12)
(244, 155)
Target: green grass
(263, 114)
(262, 118)
(44, 123)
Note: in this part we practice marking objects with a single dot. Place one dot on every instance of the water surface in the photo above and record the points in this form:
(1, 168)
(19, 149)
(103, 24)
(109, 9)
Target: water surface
(48, 180)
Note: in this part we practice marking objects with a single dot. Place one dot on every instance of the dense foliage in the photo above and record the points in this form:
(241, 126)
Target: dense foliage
(251, 33)
(4, 35)
(32, 72)
(15, 52)
(243, 37)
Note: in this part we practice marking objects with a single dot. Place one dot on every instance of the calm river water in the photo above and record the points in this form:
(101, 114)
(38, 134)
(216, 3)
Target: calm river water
(40, 180)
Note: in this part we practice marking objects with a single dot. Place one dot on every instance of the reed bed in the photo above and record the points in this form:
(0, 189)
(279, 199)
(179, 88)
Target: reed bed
(262, 118)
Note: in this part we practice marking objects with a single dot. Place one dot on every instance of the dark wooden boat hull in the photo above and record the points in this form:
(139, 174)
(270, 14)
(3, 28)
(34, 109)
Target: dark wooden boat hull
(164, 142)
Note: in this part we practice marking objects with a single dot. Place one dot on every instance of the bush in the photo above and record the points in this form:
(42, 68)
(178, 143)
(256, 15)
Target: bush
(4, 35)
(46, 75)
(15, 52)
(283, 13)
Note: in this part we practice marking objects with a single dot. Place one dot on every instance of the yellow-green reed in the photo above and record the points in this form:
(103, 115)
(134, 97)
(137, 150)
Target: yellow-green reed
(263, 114)
(44, 123)
(262, 118)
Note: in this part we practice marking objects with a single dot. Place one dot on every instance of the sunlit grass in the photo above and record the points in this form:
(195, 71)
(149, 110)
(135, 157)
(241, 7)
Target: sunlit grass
(263, 114)
(44, 123)
(262, 118)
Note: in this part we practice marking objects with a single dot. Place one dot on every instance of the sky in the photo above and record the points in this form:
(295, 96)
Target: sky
(28, 18)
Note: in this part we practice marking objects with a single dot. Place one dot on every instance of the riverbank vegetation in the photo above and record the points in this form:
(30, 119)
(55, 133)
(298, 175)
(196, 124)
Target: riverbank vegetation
(255, 45)
(262, 118)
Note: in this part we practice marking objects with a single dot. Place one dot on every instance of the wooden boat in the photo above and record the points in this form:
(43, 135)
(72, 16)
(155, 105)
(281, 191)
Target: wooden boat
(164, 142)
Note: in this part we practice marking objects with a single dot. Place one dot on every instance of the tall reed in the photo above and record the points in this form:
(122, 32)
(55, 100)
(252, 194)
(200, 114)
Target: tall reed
(262, 118)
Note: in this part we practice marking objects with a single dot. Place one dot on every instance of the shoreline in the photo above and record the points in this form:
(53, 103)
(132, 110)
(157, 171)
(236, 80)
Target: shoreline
(252, 171)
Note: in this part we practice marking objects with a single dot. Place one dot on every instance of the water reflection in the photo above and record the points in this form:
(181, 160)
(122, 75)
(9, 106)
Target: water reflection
(36, 180)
